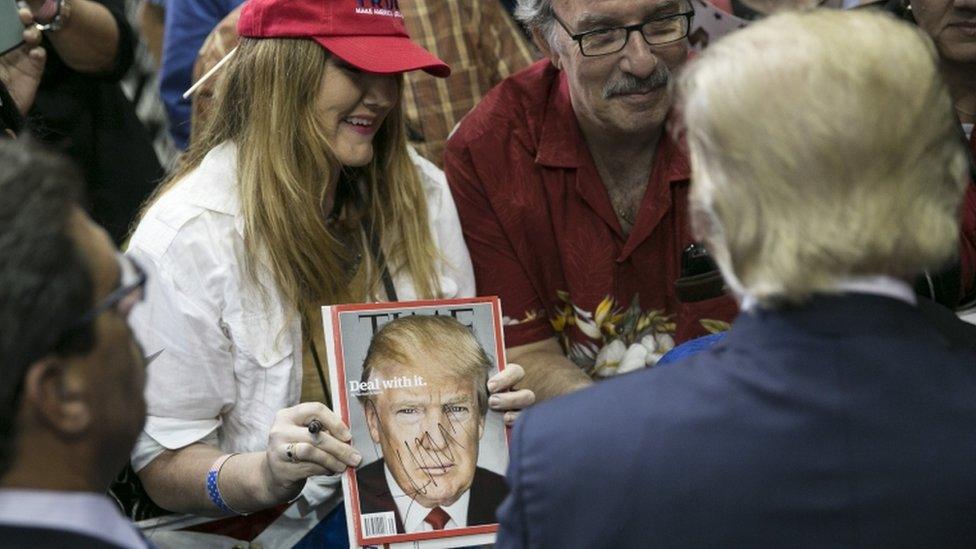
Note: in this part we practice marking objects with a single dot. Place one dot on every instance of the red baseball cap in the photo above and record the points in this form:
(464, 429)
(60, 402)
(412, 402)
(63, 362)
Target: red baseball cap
(367, 34)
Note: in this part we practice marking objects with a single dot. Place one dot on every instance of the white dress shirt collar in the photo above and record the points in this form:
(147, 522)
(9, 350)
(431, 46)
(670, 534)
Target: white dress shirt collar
(412, 513)
(86, 513)
(880, 285)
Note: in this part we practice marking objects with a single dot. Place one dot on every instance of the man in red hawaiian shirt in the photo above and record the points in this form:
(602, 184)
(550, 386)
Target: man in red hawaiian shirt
(571, 193)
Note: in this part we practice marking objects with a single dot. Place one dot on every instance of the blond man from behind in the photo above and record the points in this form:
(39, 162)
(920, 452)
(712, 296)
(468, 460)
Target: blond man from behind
(838, 412)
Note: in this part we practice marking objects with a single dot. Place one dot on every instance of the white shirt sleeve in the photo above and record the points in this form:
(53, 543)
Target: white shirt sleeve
(190, 379)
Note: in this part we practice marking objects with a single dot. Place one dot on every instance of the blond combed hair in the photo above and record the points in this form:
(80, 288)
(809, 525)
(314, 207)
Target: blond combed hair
(419, 340)
(266, 104)
(822, 146)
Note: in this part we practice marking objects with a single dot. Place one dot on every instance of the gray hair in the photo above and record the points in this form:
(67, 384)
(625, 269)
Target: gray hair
(812, 163)
(537, 15)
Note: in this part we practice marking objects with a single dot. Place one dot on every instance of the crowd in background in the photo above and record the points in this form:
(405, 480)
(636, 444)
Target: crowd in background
(254, 160)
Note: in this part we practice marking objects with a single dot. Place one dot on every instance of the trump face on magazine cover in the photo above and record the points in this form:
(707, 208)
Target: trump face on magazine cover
(424, 395)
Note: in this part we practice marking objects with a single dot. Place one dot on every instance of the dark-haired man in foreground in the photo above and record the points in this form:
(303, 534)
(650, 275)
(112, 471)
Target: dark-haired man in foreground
(71, 377)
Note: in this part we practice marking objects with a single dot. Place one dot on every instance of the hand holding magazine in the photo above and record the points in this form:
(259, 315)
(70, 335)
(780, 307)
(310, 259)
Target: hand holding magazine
(410, 379)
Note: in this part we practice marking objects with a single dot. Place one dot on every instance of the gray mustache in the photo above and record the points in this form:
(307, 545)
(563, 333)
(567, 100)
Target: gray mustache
(629, 83)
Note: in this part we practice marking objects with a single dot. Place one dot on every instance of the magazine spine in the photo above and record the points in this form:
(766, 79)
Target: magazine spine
(332, 353)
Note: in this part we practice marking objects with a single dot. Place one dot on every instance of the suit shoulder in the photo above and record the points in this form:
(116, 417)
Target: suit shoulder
(613, 410)
(957, 332)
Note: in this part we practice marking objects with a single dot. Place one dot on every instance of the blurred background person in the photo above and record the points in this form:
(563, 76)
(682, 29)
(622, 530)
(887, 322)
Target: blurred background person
(483, 46)
(187, 26)
(72, 375)
(141, 83)
(218, 44)
(20, 75)
(152, 18)
(952, 26)
(300, 192)
(80, 109)
(838, 411)
(717, 18)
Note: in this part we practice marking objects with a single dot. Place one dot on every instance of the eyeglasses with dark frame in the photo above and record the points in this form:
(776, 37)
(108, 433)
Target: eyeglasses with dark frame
(656, 31)
(130, 291)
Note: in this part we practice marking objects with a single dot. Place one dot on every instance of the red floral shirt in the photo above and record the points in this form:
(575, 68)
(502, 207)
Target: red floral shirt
(538, 221)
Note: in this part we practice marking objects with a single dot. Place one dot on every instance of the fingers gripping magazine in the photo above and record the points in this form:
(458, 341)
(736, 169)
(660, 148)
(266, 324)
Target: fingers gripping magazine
(409, 379)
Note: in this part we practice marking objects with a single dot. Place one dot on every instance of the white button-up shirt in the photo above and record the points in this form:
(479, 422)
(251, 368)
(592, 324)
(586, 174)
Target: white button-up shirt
(230, 358)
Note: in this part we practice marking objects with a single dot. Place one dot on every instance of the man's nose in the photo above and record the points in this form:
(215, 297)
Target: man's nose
(638, 57)
(436, 429)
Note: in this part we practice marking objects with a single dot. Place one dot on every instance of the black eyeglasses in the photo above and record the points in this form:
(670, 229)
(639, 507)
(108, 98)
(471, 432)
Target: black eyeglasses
(657, 31)
(130, 291)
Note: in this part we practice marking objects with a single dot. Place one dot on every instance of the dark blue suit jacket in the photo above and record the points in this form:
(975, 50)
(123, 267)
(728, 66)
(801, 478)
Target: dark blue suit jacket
(848, 422)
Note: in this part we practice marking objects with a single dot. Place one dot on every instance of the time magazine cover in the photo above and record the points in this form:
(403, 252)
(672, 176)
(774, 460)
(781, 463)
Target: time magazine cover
(409, 379)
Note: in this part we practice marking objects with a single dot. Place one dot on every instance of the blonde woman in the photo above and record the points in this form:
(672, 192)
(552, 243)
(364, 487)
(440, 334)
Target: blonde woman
(300, 192)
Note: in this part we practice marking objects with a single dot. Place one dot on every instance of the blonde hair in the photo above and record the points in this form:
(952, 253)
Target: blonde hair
(411, 338)
(266, 104)
(822, 145)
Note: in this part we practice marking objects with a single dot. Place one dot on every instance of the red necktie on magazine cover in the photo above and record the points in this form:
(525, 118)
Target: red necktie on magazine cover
(437, 518)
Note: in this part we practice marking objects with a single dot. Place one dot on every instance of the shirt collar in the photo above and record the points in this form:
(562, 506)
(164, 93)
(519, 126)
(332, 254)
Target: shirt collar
(86, 513)
(412, 513)
(879, 285)
(560, 141)
(215, 183)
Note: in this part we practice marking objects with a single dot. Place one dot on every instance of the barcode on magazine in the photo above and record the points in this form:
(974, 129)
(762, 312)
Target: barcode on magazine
(379, 524)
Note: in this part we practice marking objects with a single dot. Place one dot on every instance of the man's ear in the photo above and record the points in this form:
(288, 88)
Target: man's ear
(547, 50)
(54, 396)
(372, 420)
(481, 427)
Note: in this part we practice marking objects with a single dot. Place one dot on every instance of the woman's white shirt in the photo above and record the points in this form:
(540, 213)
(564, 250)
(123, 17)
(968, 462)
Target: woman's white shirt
(225, 358)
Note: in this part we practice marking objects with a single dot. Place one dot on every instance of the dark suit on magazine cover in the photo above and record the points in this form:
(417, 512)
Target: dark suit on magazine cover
(488, 489)
(847, 422)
